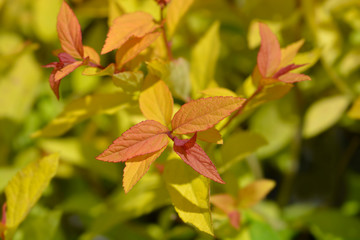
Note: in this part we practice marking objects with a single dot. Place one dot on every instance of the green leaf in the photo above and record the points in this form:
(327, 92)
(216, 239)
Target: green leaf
(25, 189)
(262, 231)
(189, 194)
(204, 57)
(6, 174)
(82, 109)
(323, 114)
(128, 81)
(238, 146)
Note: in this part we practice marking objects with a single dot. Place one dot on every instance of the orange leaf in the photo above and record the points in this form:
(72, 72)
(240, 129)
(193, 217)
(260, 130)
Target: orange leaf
(294, 77)
(136, 24)
(92, 54)
(269, 56)
(255, 192)
(136, 167)
(133, 47)
(156, 102)
(289, 52)
(60, 74)
(211, 135)
(69, 32)
(196, 158)
(145, 137)
(204, 113)
(225, 202)
(234, 218)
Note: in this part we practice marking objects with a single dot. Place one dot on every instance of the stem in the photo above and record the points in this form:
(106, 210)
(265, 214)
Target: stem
(163, 30)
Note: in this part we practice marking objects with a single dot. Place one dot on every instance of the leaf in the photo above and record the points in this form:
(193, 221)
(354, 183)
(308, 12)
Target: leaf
(128, 81)
(294, 77)
(94, 71)
(289, 52)
(211, 135)
(202, 114)
(269, 56)
(196, 158)
(69, 32)
(235, 218)
(179, 78)
(133, 47)
(254, 192)
(26, 187)
(175, 11)
(156, 102)
(354, 111)
(238, 146)
(323, 114)
(225, 202)
(81, 109)
(136, 167)
(136, 24)
(60, 74)
(189, 194)
(260, 231)
(203, 59)
(145, 137)
(92, 54)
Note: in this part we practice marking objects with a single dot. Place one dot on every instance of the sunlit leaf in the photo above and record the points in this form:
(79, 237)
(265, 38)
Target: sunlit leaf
(204, 57)
(189, 194)
(66, 70)
(83, 108)
(225, 202)
(254, 192)
(145, 137)
(269, 56)
(175, 11)
(136, 167)
(132, 47)
(26, 187)
(213, 92)
(69, 32)
(92, 54)
(202, 114)
(136, 24)
(323, 114)
(238, 146)
(156, 102)
(354, 111)
(294, 77)
(289, 52)
(94, 71)
(196, 158)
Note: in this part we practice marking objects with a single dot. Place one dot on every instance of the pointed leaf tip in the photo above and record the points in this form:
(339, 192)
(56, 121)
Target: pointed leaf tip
(69, 32)
(204, 113)
(145, 137)
(269, 56)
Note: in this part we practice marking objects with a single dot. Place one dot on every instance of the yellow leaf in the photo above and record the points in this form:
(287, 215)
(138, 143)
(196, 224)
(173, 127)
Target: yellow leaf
(2, 228)
(92, 54)
(175, 11)
(213, 92)
(203, 59)
(354, 111)
(136, 24)
(94, 71)
(26, 187)
(255, 192)
(211, 135)
(239, 146)
(289, 52)
(156, 102)
(323, 114)
(189, 194)
(136, 167)
(81, 109)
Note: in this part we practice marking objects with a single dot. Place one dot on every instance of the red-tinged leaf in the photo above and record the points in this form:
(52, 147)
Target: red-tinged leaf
(131, 48)
(269, 56)
(145, 137)
(294, 77)
(92, 54)
(66, 58)
(136, 168)
(136, 24)
(234, 218)
(3, 218)
(286, 69)
(54, 84)
(202, 114)
(61, 73)
(289, 52)
(196, 158)
(69, 32)
(225, 202)
(185, 143)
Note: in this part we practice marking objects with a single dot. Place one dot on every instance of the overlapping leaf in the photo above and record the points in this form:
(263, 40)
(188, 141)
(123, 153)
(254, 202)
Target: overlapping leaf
(202, 114)
(254, 192)
(175, 11)
(145, 137)
(136, 24)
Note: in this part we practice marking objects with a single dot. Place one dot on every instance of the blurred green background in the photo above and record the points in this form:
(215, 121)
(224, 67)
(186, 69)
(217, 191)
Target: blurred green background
(313, 149)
